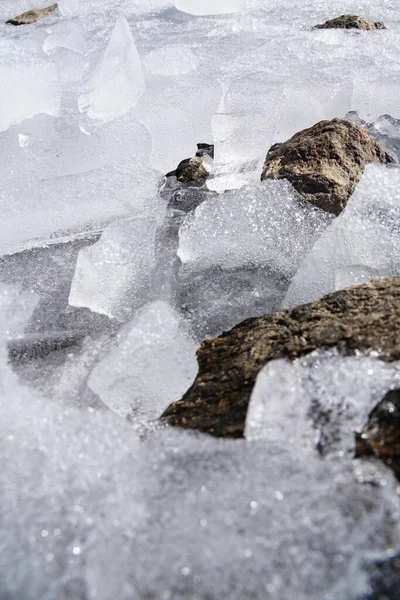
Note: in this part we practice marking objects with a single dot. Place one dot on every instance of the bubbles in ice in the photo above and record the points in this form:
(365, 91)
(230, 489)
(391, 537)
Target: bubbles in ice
(362, 243)
(116, 83)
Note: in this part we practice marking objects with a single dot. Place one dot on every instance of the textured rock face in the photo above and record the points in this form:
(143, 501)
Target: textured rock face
(31, 16)
(361, 318)
(325, 162)
(197, 168)
(381, 435)
(351, 22)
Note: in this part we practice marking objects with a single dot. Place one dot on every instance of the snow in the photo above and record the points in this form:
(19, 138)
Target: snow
(107, 288)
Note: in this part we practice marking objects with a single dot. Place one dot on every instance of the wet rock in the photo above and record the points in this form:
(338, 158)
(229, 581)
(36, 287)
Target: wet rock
(381, 435)
(361, 318)
(325, 162)
(197, 168)
(351, 22)
(31, 16)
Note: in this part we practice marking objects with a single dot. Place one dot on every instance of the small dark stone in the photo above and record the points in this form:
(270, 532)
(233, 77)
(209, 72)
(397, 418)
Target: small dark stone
(381, 435)
(31, 16)
(351, 22)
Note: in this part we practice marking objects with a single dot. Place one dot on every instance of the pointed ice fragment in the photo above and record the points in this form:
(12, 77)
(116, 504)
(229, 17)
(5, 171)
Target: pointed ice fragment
(117, 82)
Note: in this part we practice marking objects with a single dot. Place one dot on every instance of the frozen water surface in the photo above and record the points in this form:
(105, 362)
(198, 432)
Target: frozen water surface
(107, 287)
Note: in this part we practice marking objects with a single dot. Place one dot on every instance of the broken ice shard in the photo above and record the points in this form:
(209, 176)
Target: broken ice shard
(152, 363)
(116, 83)
(113, 275)
(361, 244)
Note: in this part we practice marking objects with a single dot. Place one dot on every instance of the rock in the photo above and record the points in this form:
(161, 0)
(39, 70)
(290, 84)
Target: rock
(325, 162)
(363, 318)
(197, 168)
(381, 435)
(31, 16)
(351, 22)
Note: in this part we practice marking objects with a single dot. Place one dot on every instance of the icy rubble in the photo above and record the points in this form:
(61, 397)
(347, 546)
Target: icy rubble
(88, 510)
(360, 244)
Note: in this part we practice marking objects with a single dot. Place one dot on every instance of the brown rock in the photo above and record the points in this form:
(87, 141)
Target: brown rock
(361, 318)
(351, 22)
(381, 435)
(31, 16)
(197, 168)
(325, 162)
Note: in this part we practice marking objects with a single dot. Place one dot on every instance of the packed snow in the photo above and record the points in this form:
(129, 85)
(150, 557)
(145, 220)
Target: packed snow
(112, 274)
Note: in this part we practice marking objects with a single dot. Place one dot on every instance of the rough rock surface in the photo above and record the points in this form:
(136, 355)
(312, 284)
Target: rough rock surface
(351, 22)
(197, 168)
(325, 162)
(31, 16)
(361, 318)
(381, 435)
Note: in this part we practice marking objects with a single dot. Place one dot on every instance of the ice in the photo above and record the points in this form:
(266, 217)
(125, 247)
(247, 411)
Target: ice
(100, 500)
(210, 7)
(68, 182)
(116, 83)
(177, 116)
(31, 89)
(61, 36)
(238, 251)
(150, 365)
(243, 131)
(113, 276)
(261, 224)
(320, 399)
(362, 243)
(171, 60)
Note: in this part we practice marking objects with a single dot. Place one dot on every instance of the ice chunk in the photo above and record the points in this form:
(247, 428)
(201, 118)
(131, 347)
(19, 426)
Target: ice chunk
(210, 7)
(322, 398)
(171, 60)
(71, 37)
(177, 116)
(31, 89)
(238, 251)
(116, 83)
(362, 243)
(112, 277)
(243, 131)
(152, 364)
(261, 224)
(71, 182)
